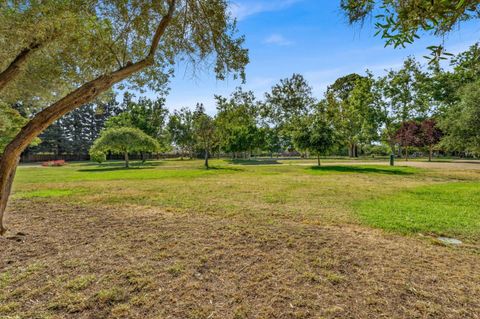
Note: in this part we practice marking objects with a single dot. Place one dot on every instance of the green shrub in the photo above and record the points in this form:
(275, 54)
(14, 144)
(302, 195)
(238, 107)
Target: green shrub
(98, 157)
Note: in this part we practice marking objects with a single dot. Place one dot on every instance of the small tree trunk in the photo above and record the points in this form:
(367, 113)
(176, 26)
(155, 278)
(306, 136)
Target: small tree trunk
(430, 150)
(206, 159)
(392, 147)
(127, 165)
(318, 159)
(406, 153)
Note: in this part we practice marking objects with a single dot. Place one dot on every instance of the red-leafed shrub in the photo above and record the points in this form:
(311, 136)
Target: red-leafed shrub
(54, 163)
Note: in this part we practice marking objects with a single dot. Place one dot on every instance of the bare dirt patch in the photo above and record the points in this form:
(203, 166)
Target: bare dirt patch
(134, 262)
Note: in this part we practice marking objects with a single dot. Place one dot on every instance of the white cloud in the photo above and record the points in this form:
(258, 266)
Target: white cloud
(245, 8)
(278, 39)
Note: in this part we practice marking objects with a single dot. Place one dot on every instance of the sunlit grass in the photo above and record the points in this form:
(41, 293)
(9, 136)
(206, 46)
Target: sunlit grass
(451, 209)
(403, 199)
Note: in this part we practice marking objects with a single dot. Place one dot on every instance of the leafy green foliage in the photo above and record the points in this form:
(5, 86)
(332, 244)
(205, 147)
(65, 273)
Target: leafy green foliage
(75, 132)
(316, 135)
(98, 156)
(461, 123)
(123, 140)
(402, 95)
(287, 103)
(237, 122)
(181, 130)
(65, 31)
(147, 115)
(10, 124)
(85, 39)
(353, 110)
(401, 22)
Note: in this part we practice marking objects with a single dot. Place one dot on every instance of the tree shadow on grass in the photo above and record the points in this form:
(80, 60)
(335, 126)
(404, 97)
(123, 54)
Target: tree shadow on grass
(112, 169)
(363, 169)
(254, 162)
(118, 165)
(121, 163)
(222, 168)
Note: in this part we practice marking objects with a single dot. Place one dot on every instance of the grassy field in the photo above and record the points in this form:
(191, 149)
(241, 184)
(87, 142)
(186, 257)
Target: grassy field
(246, 239)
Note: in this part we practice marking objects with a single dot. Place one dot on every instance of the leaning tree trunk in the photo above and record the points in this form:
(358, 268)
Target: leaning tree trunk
(8, 167)
(84, 94)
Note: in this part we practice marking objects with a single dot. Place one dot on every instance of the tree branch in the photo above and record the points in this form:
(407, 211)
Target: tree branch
(11, 72)
(161, 28)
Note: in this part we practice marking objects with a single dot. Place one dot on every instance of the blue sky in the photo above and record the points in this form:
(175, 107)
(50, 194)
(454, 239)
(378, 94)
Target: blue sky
(310, 37)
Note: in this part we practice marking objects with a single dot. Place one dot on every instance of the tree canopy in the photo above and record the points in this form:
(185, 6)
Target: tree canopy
(181, 130)
(237, 121)
(352, 109)
(461, 122)
(315, 135)
(81, 40)
(401, 22)
(122, 140)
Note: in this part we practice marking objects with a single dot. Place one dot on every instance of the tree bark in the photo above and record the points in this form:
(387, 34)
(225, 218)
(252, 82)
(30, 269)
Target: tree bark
(9, 167)
(406, 153)
(84, 94)
(14, 68)
(318, 159)
(430, 150)
(127, 164)
(206, 159)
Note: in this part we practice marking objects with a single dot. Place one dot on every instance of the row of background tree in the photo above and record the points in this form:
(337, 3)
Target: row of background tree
(416, 107)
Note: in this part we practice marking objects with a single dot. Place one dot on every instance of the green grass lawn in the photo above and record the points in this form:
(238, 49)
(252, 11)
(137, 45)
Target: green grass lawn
(264, 238)
(402, 199)
(450, 209)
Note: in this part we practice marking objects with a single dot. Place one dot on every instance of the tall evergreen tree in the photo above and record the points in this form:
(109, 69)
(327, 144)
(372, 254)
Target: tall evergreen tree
(75, 133)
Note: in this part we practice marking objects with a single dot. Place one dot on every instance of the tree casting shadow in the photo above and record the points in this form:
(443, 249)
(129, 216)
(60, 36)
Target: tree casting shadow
(112, 169)
(253, 162)
(222, 168)
(360, 170)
